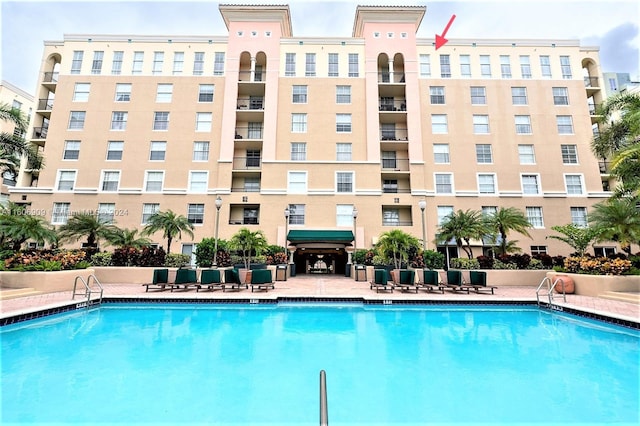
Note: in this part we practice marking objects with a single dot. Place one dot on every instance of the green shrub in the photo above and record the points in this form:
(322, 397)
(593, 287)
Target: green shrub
(536, 264)
(177, 260)
(463, 263)
(101, 259)
(499, 264)
(48, 265)
(433, 259)
(83, 264)
(205, 252)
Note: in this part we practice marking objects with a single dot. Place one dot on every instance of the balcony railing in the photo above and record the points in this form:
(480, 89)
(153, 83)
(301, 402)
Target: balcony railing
(591, 82)
(387, 77)
(245, 189)
(395, 164)
(246, 76)
(604, 166)
(253, 103)
(395, 105)
(40, 132)
(50, 77)
(245, 221)
(45, 104)
(396, 134)
(593, 109)
(390, 190)
(248, 133)
(246, 163)
(397, 223)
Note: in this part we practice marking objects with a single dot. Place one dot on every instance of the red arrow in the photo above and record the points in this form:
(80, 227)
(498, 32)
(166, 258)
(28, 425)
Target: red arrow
(440, 40)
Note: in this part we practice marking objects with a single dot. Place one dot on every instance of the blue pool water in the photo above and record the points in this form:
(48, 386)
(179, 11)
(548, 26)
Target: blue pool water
(259, 365)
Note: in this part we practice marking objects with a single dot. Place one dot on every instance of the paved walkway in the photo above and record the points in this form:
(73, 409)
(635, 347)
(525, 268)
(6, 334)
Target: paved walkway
(326, 286)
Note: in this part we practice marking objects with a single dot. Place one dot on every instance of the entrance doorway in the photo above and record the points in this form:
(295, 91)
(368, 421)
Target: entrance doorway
(320, 261)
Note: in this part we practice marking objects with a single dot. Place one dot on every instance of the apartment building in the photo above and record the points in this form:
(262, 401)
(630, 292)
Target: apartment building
(351, 137)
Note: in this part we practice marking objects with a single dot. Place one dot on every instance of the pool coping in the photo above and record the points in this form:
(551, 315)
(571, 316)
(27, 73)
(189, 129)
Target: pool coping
(62, 307)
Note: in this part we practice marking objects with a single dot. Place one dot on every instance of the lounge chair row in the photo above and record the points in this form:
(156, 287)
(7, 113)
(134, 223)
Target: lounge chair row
(429, 280)
(210, 279)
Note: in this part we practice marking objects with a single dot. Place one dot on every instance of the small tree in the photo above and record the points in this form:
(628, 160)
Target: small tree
(396, 245)
(171, 225)
(463, 226)
(505, 220)
(88, 225)
(577, 237)
(248, 243)
(127, 238)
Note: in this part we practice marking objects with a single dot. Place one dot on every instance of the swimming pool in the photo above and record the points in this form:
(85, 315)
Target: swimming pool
(246, 364)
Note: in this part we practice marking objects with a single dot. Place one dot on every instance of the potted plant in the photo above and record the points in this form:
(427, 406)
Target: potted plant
(249, 244)
(396, 245)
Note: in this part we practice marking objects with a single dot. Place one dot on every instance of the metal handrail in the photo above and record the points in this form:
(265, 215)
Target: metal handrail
(550, 288)
(324, 411)
(87, 287)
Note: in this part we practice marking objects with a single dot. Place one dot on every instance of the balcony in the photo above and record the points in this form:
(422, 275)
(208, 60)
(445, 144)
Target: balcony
(397, 134)
(40, 132)
(250, 103)
(593, 109)
(387, 77)
(246, 77)
(592, 85)
(394, 222)
(248, 132)
(245, 188)
(245, 214)
(395, 165)
(50, 80)
(389, 105)
(390, 189)
(246, 163)
(605, 167)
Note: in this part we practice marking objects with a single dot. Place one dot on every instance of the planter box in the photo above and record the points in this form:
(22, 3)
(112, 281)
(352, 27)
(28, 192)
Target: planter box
(594, 285)
(129, 274)
(46, 282)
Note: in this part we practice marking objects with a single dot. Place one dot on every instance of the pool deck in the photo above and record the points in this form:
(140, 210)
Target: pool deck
(327, 287)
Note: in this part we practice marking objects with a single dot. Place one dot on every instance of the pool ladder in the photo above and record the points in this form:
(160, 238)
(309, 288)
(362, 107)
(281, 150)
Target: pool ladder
(86, 290)
(550, 294)
(324, 411)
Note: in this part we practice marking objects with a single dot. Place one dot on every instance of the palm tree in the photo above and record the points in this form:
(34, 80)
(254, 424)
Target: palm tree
(15, 230)
(171, 225)
(13, 146)
(127, 238)
(88, 225)
(248, 242)
(618, 220)
(396, 244)
(463, 226)
(505, 220)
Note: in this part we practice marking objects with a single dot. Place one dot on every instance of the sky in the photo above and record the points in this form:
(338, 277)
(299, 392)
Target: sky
(25, 25)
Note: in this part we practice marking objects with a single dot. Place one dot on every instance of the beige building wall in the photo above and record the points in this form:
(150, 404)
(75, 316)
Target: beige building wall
(259, 121)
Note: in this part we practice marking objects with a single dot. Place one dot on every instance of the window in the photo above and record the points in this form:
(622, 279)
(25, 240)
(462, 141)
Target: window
(390, 186)
(116, 65)
(310, 65)
(579, 216)
(96, 65)
(343, 152)
(161, 120)
(425, 66)
(523, 124)
(569, 154)
(445, 66)
(218, 64)
(565, 124)
(76, 62)
(76, 120)
(154, 181)
(478, 95)
(343, 123)
(485, 66)
(538, 250)
(106, 212)
(60, 213)
(519, 95)
(484, 154)
(526, 154)
(157, 151)
(164, 93)
(255, 130)
(195, 214)
(465, 65)
(437, 95)
(565, 66)
(290, 65)
(505, 66)
(252, 184)
(250, 216)
(545, 66)
(201, 151)
(530, 184)
(439, 123)
(443, 212)
(158, 61)
(353, 65)
(253, 158)
(525, 66)
(573, 184)
(297, 182)
(205, 93)
(299, 123)
(333, 65)
(388, 131)
(66, 180)
(389, 160)
(138, 58)
(343, 94)
(613, 84)
(71, 150)
(299, 94)
(123, 92)
(148, 210)
(344, 215)
(110, 180)
(534, 215)
(444, 183)
(198, 63)
(390, 216)
(119, 120)
(203, 121)
(487, 183)
(178, 63)
(441, 153)
(296, 214)
(560, 96)
(298, 151)
(114, 150)
(344, 182)
(489, 210)
(81, 92)
(198, 181)
(480, 124)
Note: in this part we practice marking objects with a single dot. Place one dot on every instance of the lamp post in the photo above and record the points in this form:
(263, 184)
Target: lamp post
(423, 205)
(215, 249)
(355, 229)
(287, 212)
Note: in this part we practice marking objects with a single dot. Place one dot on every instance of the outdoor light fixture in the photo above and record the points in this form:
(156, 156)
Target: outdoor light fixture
(355, 216)
(423, 205)
(215, 249)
